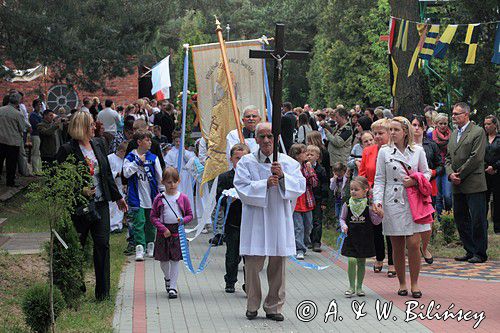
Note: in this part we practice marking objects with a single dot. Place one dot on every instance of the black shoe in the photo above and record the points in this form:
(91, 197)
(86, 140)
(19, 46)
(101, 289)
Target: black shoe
(230, 288)
(416, 294)
(275, 316)
(251, 314)
(464, 258)
(403, 292)
(476, 260)
(216, 240)
(317, 247)
(427, 260)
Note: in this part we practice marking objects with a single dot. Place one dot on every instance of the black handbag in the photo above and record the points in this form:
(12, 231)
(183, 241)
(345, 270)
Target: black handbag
(85, 216)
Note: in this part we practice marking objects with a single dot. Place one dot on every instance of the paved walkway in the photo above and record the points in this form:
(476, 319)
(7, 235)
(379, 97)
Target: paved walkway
(142, 304)
(25, 243)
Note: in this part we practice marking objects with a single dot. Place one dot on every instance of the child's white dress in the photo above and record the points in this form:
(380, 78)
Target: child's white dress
(115, 214)
(187, 180)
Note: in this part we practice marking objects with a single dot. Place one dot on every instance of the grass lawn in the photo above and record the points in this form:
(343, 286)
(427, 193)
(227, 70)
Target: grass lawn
(438, 248)
(18, 272)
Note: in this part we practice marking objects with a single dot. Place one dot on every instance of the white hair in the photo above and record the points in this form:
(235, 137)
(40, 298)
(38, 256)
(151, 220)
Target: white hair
(261, 126)
(251, 108)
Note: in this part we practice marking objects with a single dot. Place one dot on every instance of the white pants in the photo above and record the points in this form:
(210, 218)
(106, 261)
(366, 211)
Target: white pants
(36, 160)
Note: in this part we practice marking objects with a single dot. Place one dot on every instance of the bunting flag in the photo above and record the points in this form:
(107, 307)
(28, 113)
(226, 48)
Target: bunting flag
(402, 41)
(444, 41)
(429, 43)
(422, 31)
(471, 39)
(393, 74)
(496, 52)
(392, 30)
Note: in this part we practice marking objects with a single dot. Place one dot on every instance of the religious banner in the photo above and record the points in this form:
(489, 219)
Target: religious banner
(248, 77)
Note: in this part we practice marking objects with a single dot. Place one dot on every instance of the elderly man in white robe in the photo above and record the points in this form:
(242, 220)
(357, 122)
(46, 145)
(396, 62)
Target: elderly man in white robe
(268, 190)
(251, 117)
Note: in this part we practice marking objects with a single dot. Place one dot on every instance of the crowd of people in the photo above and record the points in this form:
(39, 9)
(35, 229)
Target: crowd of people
(383, 180)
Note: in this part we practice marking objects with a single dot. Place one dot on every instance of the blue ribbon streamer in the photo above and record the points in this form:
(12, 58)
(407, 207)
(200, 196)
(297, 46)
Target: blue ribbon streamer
(186, 255)
(334, 258)
(269, 104)
(184, 110)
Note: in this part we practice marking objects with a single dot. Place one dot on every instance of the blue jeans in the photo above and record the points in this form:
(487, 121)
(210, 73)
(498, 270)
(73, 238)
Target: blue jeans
(469, 212)
(443, 199)
(303, 225)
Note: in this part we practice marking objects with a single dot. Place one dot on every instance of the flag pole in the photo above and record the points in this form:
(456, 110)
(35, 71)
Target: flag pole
(236, 113)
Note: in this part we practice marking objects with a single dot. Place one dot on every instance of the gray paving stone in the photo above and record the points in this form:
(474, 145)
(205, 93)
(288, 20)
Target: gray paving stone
(203, 306)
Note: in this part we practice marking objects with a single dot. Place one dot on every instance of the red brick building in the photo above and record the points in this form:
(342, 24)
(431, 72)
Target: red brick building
(127, 90)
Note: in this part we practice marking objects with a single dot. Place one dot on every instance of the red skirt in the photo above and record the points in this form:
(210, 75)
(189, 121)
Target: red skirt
(167, 249)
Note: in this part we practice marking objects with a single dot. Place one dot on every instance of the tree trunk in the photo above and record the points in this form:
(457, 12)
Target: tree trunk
(409, 98)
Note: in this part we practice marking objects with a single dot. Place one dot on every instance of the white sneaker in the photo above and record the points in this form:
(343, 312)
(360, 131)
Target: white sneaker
(150, 250)
(139, 253)
(300, 256)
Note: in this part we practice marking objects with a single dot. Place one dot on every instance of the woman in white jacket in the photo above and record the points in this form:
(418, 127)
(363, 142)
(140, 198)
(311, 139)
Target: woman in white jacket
(391, 201)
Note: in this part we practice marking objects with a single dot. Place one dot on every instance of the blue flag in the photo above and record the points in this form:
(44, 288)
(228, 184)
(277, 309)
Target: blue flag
(184, 108)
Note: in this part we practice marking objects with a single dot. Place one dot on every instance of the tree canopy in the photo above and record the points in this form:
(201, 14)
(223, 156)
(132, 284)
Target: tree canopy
(88, 41)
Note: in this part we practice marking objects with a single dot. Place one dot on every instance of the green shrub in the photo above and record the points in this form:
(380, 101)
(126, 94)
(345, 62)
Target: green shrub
(36, 307)
(57, 194)
(448, 227)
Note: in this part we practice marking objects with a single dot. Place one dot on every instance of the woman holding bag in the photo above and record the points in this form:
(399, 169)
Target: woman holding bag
(395, 162)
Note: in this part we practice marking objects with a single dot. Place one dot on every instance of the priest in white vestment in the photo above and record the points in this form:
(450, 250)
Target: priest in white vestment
(251, 117)
(268, 191)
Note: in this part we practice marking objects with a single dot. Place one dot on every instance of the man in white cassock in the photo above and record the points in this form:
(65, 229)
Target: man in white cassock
(268, 190)
(251, 117)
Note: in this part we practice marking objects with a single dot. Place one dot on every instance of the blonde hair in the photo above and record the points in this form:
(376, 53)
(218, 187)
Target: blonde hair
(440, 117)
(315, 149)
(381, 123)
(407, 128)
(432, 115)
(80, 125)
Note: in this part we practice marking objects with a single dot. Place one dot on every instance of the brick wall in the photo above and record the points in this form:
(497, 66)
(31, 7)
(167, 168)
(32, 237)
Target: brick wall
(127, 90)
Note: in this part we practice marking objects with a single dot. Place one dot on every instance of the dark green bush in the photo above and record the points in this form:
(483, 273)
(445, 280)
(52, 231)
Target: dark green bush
(448, 227)
(36, 306)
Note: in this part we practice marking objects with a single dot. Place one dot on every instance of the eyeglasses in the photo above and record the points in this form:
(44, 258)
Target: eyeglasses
(263, 136)
(456, 114)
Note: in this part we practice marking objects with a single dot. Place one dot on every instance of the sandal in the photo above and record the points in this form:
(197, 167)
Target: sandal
(416, 294)
(391, 274)
(403, 292)
(377, 269)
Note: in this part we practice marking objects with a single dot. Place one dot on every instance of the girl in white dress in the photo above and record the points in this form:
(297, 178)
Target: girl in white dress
(391, 200)
(171, 159)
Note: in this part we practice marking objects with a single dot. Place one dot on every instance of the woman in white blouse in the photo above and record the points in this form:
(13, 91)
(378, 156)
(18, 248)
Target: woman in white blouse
(391, 202)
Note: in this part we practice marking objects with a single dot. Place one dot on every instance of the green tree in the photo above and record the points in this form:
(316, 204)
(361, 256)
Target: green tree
(84, 42)
(349, 64)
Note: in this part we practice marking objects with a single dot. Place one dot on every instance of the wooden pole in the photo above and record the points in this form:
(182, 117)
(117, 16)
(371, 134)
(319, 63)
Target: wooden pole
(236, 113)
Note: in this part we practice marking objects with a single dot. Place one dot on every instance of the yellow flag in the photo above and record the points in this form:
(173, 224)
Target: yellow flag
(394, 75)
(472, 38)
(222, 123)
(422, 31)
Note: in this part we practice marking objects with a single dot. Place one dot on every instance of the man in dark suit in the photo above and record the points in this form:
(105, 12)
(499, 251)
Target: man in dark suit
(166, 120)
(288, 125)
(465, 169)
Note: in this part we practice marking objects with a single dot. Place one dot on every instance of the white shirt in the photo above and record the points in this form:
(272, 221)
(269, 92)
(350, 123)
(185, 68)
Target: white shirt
(85, 109)
(267, 227)
(144, 189)
(461, 131)
(168, 215)
(232, 138)
(110, 119)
